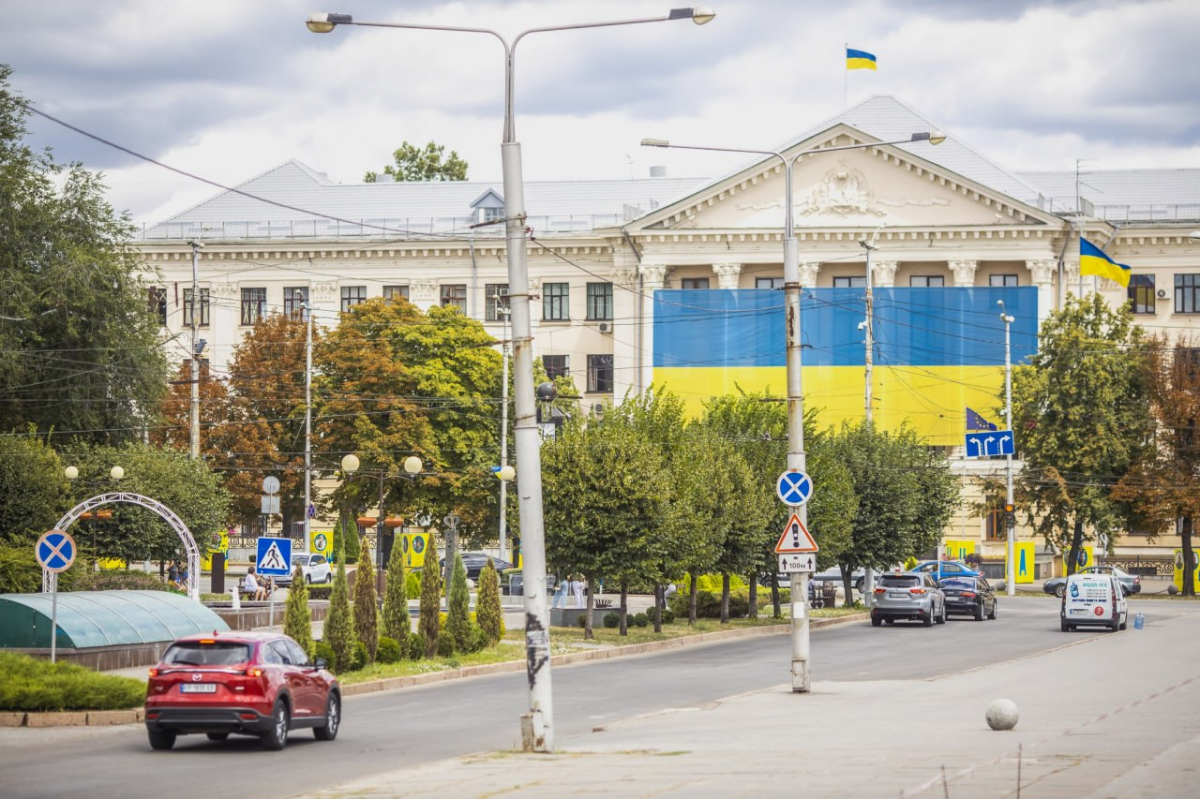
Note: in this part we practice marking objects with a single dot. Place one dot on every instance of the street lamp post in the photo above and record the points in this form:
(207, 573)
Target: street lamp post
(537, 727)
(795, 394)
(1010, 573)
(504, 439)
(307, 417)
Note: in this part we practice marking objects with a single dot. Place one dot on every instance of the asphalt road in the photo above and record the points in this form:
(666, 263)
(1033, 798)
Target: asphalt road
(383, 732)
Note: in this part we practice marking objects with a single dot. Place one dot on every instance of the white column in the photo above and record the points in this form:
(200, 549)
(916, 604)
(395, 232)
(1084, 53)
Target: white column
(653, 278)
(808, 274)
(628, 329)
(964, 272)
(727, 275)
(884, 273)
(225, 317)
(423, 293)
(1042, 271)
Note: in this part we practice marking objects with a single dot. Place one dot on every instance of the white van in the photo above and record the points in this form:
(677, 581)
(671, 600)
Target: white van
(1094, 598)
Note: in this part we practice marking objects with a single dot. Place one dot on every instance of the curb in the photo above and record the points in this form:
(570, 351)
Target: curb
(414, 680)
(82, 718)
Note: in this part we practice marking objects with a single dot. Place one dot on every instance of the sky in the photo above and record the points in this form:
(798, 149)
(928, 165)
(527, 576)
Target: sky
(228, 89)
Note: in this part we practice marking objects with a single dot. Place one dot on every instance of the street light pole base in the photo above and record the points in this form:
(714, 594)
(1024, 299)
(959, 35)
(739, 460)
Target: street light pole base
(800, 681)
(533, 733)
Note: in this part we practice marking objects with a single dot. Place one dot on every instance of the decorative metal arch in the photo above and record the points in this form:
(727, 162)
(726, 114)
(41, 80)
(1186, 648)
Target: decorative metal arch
(185, 535)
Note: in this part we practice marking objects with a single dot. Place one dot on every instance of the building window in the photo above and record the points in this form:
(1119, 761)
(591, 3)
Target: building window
(849, 282)
(392, 292)
(496, 301)
(491, 214)
(693, 283)
(254, 306)
(556, 302)
(1187, 294)
(1003, 281)
(157, 301)
(294, 300)
(556, 366)
(995, 525)
(600, 374)
(599, 301)
(1141, 294)
(927, 282)
(768, 283)
(353, 295)
(454, 295)
(202, 319)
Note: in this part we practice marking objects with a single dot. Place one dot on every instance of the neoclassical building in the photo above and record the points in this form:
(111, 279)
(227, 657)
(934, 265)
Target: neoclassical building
(612, 262)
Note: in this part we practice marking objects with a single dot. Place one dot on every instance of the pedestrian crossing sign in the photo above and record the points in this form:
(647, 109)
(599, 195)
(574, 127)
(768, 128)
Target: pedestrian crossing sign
(274, 557)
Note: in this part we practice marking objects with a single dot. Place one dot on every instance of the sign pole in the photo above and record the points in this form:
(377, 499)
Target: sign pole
(53, 615)
(1009, 520)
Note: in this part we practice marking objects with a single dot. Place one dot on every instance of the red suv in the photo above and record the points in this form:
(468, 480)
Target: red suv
(245, 683)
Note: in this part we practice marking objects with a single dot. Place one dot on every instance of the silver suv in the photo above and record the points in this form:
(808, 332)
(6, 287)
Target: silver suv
(909, 596)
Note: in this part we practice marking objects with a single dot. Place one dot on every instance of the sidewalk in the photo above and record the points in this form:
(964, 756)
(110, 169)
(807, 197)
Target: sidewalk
(1096, 720)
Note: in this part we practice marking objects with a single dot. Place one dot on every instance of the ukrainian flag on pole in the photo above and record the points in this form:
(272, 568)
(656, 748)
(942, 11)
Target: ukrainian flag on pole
(859, 59)
(1093, 261)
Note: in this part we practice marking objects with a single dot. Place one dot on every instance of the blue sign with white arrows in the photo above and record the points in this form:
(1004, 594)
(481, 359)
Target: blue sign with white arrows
(794, 487)
(982, 445)
(274, 557)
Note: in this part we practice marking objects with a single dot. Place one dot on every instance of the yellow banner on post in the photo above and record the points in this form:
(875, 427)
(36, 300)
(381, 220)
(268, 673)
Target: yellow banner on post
(1195, 570)
(958, 550)
(1023, 571)
(1087, 557)
(415, 546)
(220, 543)
(320, 542)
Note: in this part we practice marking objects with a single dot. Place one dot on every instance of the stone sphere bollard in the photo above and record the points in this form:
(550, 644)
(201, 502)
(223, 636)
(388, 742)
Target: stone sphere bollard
(1172, 590)
(1002, 714)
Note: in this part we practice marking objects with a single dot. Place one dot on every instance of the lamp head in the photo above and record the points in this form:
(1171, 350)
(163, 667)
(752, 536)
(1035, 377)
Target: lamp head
(350, 463)
(71, 472)
(655, 143)
(200, 345)
(934, 137)
(116, 472)
(701, 15)
(324, 23)
(413, 465)
(506, 473)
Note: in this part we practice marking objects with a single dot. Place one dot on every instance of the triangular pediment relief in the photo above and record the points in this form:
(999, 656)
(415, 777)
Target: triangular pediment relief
(852, 188)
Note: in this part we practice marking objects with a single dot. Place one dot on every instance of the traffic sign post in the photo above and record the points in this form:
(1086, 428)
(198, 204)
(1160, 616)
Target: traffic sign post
(984, 445)
(273, 558)
(55, 551)
(794, 487)
(792, 563)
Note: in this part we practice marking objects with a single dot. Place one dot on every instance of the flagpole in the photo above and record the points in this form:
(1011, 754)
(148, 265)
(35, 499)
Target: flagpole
(845, 76)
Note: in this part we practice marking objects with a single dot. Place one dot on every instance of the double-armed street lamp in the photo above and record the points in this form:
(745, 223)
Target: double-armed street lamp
(412, 467)
(795, 395)
(537, 728)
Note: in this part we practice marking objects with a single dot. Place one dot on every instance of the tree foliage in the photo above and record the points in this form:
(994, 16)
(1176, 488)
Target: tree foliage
(297, 618)
(366, 605)
(458, 607)
(488, 610)
(33, 489)
(429, 621)
(79, 344)
(396, 622)
(413, 163)
(1081, 420)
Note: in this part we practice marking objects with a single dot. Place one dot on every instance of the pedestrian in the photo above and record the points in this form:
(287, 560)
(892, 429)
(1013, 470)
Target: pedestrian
(668, 593)
(250, 585)
(182, 581)
(560, 595)
(173, 573)
(577, 590)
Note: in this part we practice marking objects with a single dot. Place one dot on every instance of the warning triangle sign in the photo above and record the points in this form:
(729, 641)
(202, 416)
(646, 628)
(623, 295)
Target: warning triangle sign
(796, 538)
(273, 559)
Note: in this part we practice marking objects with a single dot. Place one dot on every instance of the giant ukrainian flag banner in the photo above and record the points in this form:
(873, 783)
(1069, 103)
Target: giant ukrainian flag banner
(937, 352)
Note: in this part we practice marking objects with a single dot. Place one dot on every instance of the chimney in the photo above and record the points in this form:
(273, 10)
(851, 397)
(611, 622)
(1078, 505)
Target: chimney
(384, 177)
(658, 171)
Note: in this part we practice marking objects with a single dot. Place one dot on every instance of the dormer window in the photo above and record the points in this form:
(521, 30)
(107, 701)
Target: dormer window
(488, 207)
(491, 214)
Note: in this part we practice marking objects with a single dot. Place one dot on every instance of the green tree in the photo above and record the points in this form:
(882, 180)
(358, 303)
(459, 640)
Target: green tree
(33, 489)
(488, 611)
(429, 620)
(458, 607)
(1081, 417)
(366, 605)
(396, 622)
(412, 163)
(339, 625)
(1163, 487)
(80, 353)
(297, 618)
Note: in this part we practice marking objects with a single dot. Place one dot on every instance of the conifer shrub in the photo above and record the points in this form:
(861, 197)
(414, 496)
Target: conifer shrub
(612, 620)
(641, 619)
(388, 650)
(430, 610)
(366, 605)
(458, 607)
(488, 611)
(414, 646)
(297, 618)
(396, 623)
(339, 624)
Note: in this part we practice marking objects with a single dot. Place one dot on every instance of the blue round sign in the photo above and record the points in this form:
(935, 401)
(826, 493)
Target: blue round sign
(794, 487)
(55, 551)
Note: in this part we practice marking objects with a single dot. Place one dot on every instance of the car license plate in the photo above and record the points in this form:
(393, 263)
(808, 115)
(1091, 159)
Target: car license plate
(199, 687)
(897, 595)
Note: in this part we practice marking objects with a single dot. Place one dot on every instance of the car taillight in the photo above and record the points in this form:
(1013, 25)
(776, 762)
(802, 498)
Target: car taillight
(916, 590)
(969, 594)
(153, 672)
(254, 672)
(881, 590)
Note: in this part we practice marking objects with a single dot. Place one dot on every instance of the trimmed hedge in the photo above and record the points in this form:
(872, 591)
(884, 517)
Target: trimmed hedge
(32, 685)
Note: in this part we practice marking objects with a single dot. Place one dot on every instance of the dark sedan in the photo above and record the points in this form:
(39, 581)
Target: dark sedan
(971, 596)
(1131, 582)
(474, 562)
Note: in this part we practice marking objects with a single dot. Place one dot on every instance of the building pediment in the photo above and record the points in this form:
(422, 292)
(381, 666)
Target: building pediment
(853, 188)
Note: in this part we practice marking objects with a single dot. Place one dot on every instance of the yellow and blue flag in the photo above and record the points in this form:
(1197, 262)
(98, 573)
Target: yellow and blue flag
(859, 59)
(1093, 261)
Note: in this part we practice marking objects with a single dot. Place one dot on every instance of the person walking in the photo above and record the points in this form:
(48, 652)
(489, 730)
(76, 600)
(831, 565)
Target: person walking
(173, 573)
(560, 594)
(577, 590)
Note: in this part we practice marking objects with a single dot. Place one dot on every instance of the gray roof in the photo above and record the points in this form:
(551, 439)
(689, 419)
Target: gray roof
(294, 200)
(1124, 194)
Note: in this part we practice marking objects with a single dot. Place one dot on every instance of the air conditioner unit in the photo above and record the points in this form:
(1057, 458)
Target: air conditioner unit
(1162, 294)
(598, 409)
(605, 327)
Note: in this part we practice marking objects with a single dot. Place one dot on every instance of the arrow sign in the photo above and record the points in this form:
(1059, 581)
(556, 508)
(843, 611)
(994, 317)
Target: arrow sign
(795, 539)
(982, 445)
(794, 487)
(791, 563)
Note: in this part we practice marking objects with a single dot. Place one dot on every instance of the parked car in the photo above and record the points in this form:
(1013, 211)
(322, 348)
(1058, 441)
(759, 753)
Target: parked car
(970, 595)
(1132, 582)
(1091, 598)
(908, 595)
(474, 563)
(315, 567)
(941, 569)
(240, 683)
